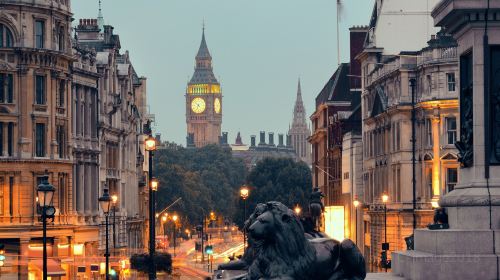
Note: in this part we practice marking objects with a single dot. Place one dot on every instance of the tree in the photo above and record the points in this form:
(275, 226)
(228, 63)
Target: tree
(278, 179)
(205, 178)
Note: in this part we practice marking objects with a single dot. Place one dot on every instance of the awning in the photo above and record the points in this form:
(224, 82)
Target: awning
(53, 267)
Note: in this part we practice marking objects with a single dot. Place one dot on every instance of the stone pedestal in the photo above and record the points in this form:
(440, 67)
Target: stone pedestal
(470, 248)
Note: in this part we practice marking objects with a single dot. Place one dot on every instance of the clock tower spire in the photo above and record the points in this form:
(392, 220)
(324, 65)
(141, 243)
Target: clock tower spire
(203, 101)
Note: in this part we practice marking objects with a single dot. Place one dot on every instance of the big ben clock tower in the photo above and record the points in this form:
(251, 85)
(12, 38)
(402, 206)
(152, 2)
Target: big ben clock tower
(203, 101)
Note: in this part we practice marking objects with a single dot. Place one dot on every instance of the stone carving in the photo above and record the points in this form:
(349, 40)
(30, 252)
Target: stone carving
(279, 249)
(316, 207)
(465, 145)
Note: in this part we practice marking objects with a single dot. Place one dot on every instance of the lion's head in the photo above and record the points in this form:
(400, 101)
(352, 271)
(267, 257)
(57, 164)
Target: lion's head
(284, 249)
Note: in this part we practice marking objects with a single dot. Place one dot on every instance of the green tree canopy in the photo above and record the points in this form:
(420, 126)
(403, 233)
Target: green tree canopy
(207, 179)
(278, 179)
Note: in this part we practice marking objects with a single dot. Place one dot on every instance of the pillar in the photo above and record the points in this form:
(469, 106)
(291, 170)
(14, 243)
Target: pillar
(436, 160)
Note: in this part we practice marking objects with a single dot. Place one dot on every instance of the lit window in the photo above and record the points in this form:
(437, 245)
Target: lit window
(451, 127)
(450, 77)
(451, 179)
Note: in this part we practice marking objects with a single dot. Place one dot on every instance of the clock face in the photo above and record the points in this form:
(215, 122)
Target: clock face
(217, 105)
(198, 105)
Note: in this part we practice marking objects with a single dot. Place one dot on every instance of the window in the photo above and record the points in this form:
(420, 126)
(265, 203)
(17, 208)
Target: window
(39, 34)
(40, 90)
(62, 196)
(10, 139)
(451, 179)
(62, 91)
(428, 182)
(1, 138)
(60, 38)
(61, 140)
(450, 77)
(40, 140)
(6, 38)
(451, 128)
(11, 196)
(6, 88)
(428, 132)
(429, 84)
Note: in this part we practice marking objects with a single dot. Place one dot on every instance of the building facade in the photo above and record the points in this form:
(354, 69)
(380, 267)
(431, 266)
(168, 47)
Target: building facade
(389, 80)
(337, 113)
(121, 117)
(255, 152)
(203, 101)
(72, 109)
(299, 130)
(35, 128)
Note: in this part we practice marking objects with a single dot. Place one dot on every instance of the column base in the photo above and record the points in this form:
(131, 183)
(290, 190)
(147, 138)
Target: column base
(450, 255)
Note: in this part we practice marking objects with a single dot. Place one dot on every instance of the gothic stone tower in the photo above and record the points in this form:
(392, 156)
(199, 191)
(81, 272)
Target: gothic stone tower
(299, 131)
(203, 101)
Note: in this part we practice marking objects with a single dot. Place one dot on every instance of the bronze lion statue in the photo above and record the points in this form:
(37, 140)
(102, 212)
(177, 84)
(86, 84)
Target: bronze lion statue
(281, 250)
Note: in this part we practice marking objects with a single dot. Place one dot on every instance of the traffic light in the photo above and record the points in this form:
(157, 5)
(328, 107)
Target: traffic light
(197, 246)
(209, 250)
(206, 237)
(2, 255)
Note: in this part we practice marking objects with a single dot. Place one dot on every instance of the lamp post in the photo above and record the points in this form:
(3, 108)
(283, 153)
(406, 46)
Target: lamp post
(114, 199)
(356, 204)
(174, 218)
(164, 220)
(105, 202)
(385, 246)
(297, 210)
(45, 193)
(413, 154)
(150, 146)
(244, 192)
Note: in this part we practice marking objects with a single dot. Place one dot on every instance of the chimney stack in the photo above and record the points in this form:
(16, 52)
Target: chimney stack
(252, 140)
(280, 140)
(271, 139)
(262, 138)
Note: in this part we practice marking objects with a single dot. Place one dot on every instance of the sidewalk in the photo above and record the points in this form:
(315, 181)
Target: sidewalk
(382, 276)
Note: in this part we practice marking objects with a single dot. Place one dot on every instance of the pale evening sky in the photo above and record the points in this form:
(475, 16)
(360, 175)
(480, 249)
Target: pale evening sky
(259, 49)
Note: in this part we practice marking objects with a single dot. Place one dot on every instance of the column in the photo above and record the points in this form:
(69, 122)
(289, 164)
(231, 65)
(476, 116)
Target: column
(81, 182)
(86, 186)
(436, 160)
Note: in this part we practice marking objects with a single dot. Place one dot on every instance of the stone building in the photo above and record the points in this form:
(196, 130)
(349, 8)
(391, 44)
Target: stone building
(203, 101)
(253, 153)
(337, 113)
(469, 249)
(388, 71)
(122, 114)
(299, 131)
(35, 132)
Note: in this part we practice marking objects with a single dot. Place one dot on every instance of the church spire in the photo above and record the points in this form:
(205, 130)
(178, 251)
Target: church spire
(100, 18)
(203, 52)
(298, 110)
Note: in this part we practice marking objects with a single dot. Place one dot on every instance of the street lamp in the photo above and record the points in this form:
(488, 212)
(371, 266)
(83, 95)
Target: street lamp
(105, 202)
(356, 204)
(244, 192)
(297, 210)
(45, 193)
(114, 199)
(385, 245)
(154, 184)
(174, 218)
(164, 220)
(150, 146)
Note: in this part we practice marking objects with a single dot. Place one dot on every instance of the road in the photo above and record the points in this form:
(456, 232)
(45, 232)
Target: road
(187, 262)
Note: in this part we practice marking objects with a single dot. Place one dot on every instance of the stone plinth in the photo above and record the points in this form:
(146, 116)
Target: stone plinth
(470, 248)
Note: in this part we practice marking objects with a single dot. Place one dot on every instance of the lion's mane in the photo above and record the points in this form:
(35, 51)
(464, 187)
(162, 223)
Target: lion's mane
(287, 252)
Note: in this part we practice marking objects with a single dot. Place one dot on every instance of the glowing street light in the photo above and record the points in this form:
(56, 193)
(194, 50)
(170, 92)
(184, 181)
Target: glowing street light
(297, 210)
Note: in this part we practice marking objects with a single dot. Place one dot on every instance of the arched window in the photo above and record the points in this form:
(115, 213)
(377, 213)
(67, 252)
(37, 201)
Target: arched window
(6, 38)
(60, 38)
